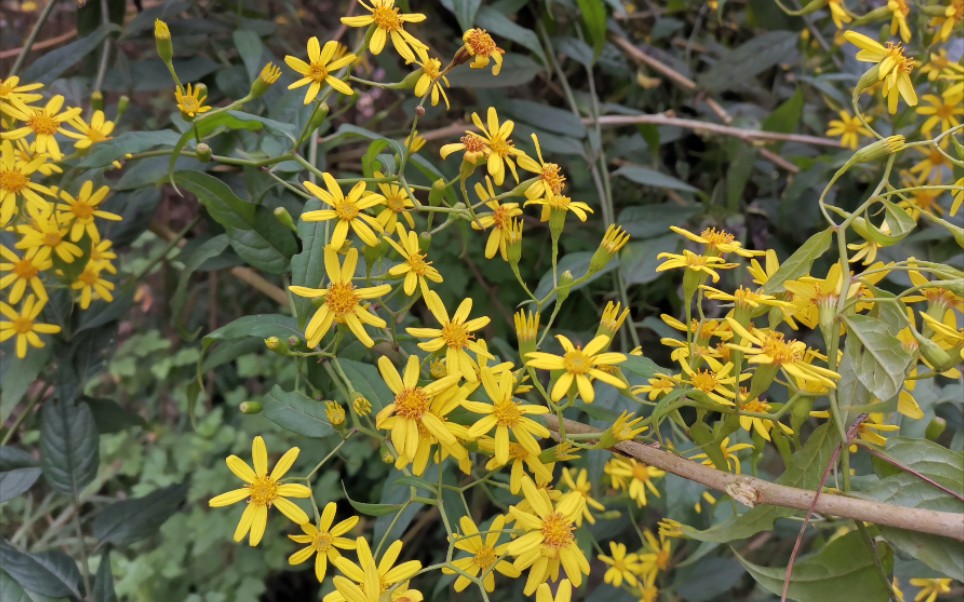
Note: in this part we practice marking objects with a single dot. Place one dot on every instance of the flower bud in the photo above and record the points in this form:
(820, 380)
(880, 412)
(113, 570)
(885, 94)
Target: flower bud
(613, 241)
(557, 222)
(277, 345)
(97, 100)
(293, 341)
(123, 103)
(513, 241)
(424, 241)
(565, 286)
(282, 215)
(361, 405)
(437, 193)
(250, 407)
(319, 117)
(869, 79)
(268, 76)
(939, 359)
(935, 428)
(419, 111)
(162, 36)
(335, 413)
(881, 149)
(811, 7)
(526, 330)
(203, 152)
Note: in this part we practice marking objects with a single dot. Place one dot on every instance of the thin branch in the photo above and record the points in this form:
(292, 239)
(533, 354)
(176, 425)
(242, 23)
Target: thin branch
(42, 45)
(751, 491)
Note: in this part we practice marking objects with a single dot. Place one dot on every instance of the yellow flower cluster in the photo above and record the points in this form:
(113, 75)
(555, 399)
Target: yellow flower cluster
(58, 242)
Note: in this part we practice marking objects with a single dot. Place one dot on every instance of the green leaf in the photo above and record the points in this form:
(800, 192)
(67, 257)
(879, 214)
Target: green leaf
(639, 366)
(593, 13)
(647, 221)
(110, 417)
(69, 446)
(295, 411)
(250, 49)
(883, 362)
(49, 573)
(209, 249)
(842, 570)
(18, 375)
(804, 471)
(638, 262)
(904, 489)
(367, 380)
(465, 11)
(786, 117)
(255, 235)
(799, 263)
(372, 509)
(259, 326)
(517, 70)
(55, 63)
(545, 118)
(736, 68)
(104, 153)
(104, 582)
(18, 472)
(651, 177)
(129, 521)
(308, 266)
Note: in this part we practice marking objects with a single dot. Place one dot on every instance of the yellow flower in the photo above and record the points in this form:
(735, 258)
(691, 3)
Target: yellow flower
(689, 260)
(580, 367)
(46, 235)
(770, 348)
(397, 204)
(506, 415)
(581, 484)
(659, 385)
(16, 185)
(347, 210)
(455, 336)
(894, 68)
(898, 21)
(342, 301)
(475, 148)
(190, 101)
(324, 540)
(416, 418)
(717, 242)
(561, 204)
(98, 130)
(92, 286)
(958, 196)
(550, 180)
(715, 382)
(548, 541)
(656, 554)
(486, 554)
(416, 270)
(762, 426)
(622, 566)
(563, 592)
(839, 14)
(613, 318)
(262, 491)
(943, 111)
(499, 220)
(81, 210)
(368, 581)
(500, 150)
(930, 589)
(414, 142)
(16, 99)
(432, 80)
(479, 45)
(633, 476)
(23, 272)
(953, 16)
(320, 68)
(44, 124)
(389, 24)
(729, 455)
(24, 325)
(849, 128)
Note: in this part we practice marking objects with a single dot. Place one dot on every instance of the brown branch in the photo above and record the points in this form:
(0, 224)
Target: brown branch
(751, 491)
(44, 44)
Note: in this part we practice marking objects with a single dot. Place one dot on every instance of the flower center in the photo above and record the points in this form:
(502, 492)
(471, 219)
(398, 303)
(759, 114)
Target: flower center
(939, 296)
(396, 200)
(783, 352)
(43, 124)
(22, 325)
(432, 68)
(640, 472)
(507, 413)
(52, 239)
(13, 181)
(317, 71)
(557, 531)
(190, 105)
(473, 143)
(500, 146)
(755, 405)
(552, 177)
(418, 264)
(411, 403)
(481, 43)
(346, 210)
(576, 362)
(89, 277)
(484, 558)
(517, 452)
(455, 335)
(25, 269)
(714, 238)
(386, 17)
(82, 211)
(322, 542)
(705, 381)
(264, 491)
(502, 216)
(96, 135)
(341, 299)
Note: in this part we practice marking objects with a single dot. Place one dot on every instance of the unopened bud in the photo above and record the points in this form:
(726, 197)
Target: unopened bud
(361, 405)
(203, 152)
(282, 215)
(319, 117)
(935, 428)
(881, 149)
(123, 103)
(162, 36)
(97, 100)
(870, 78)
(293, 341)
(250, 407)
(277, 345)
(613, 241)
(268, 76)
(939, 359)
(335, 413)
(565, 286)
(420, 111)
(438, 191)
(424, 241)
(513, 241)
(810, 8)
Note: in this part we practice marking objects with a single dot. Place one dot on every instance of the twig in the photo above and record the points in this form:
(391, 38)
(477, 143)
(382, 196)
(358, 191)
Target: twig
(32, 37)
(54, 41)
(752, 491)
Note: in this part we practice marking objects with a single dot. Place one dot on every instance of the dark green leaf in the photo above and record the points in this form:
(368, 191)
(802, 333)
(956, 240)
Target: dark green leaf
(647, 221)
(18, 472)
(259, 326)
(736, 68)
(651, 177)
(48, 573)
(366, 379)
(517, 70)
(786, 117)
(799, 263)
(465, 11)
(69, 446)
(129, 521)
(104, 153)
(501, 26)
(295, 411)
(593, 13)
(18, 375)
(55, 63)
(104, 582)
(372, 509)
(638, 262)
(110, 417)
(883, 361)
(209, 249)
(545, 118)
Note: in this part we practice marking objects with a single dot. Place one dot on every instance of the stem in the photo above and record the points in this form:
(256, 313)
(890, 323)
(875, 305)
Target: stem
(32, 37)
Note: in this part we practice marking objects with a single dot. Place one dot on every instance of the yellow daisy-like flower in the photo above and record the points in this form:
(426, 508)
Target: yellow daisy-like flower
(47, 235)
(953, 17)
(769, 347)
(657, 554)
(98, 130)
(930, 589)
(397, 204)
(347, 210)
(658, 385)
(563, 592)
(432, 80)
(580, 367)
(548, 541)
(342, 300)
(500, 150)
(894, 68)
(44, 124)
(729, 455)
(92, 286)
(761, 426)
(190, 101)
(506, 415)
(367, 581)
(898, 21)
(560, 204)
(455, 336)
(689, 260)
(390, 24)
(416, 417)
(943, 111)
(716, 242)
(414, 268)
(480, 46)
(21, 273)
(81, 210)
(323, 541)
(474, 146)
(318, 71)
(16, 185)
(499, 220)
(634, 477)
(486, 554)
(849, 128)
(262, 491)
(581, 484)
(521, 461)
(715, 382)
(550, 180)
(839, 14)
(622, 566)
(16, 99)
(24, 326)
